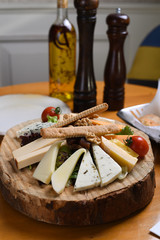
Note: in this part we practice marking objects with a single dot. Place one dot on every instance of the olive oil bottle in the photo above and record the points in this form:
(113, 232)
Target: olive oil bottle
(62, 55)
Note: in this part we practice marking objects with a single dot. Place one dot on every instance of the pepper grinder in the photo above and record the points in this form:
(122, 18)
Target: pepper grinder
(115, 68)
(85, 85)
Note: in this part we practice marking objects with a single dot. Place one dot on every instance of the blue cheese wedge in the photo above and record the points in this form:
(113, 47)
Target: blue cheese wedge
(88, 176)
(33, 128)
(108, 169)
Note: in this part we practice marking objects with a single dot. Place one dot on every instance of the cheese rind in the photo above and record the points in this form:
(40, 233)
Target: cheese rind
(61, 175)
(47, 164)
(118, 154)
(88, 176)
(30, 158)
(108, 169)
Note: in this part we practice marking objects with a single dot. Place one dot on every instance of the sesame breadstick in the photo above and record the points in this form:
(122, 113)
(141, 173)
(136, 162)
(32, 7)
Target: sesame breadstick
(68, 132)
(89, 112)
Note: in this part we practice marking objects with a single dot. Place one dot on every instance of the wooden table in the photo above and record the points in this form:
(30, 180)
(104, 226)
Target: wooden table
(14, 225)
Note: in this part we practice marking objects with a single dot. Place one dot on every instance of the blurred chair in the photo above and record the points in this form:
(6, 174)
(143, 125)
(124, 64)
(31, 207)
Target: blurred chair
(146, 66)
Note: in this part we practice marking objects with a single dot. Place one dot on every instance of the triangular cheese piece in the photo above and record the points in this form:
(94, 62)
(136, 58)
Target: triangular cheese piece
(33, 146)
(61, 175)
(123, 158)
(47, 164)
(108, 169)
(88, 176)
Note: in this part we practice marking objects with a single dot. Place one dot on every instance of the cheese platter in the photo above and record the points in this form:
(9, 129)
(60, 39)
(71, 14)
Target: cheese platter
(100, 203)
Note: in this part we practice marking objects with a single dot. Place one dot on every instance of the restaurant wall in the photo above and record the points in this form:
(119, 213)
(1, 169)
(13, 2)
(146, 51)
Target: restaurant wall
(24, 27)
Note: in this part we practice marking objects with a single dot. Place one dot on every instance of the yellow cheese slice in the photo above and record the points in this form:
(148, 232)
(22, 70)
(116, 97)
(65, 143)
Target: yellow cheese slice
(61, 175)
(30, 158)
(124, 147)
(47, 164)
(33, 146)
(122, 157)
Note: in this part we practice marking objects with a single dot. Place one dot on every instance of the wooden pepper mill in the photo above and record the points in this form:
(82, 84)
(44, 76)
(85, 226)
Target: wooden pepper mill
(85, 85)
(115, 68)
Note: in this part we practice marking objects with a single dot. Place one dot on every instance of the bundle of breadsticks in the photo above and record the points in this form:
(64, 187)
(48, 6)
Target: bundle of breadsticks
(80, 125)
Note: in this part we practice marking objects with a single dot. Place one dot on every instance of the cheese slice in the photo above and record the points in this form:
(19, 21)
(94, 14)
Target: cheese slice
(88, 176)
(33, 146)
(104, 122)
(30, 158)
(47, 164)
(60, 177)
(108, 169)
(122, 157)
(124, 147)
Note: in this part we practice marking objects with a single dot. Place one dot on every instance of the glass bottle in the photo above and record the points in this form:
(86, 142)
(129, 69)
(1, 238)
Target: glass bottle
(62, 55)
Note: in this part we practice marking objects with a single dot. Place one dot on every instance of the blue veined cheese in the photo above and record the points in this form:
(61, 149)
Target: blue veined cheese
(108, 169)
(33, 128)
(88, 176)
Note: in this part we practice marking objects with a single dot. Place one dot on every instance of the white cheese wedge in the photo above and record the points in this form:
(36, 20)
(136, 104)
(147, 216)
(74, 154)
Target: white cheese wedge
(30, 158)
(88, 176)
(47, 164)
(60, 177)
(33, 146)
(108, 169)
(122, 157)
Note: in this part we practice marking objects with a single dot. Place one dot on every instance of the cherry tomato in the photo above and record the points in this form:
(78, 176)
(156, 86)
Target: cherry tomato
(138, 144)
(50, 111)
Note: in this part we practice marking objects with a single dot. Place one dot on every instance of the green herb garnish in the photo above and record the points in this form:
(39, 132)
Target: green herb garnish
(53, 119)
(128, 141)
(75, 172)
(125, 131)
(63, 154)
(30, 167)
(57, 110)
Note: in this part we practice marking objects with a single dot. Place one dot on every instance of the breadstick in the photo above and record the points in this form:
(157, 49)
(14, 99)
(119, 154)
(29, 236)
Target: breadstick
(68, 132)
(89, 112)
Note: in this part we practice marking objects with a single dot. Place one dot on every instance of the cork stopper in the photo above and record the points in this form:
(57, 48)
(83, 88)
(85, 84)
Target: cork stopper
(62, 3)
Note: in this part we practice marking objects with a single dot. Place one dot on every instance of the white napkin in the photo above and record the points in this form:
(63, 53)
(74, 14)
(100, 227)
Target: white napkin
(132, 114)
(154, 106)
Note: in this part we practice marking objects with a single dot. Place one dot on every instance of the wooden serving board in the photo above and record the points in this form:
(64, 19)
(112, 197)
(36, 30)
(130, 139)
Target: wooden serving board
(95, 206)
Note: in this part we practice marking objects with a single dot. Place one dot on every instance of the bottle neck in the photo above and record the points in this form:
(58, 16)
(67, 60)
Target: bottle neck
(62, 9)
(62, 13)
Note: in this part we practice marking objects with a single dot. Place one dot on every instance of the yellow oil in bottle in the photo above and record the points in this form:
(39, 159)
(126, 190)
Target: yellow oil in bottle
(62, 63)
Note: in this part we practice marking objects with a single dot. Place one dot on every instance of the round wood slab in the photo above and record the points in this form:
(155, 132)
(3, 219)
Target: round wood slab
(99, 205)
